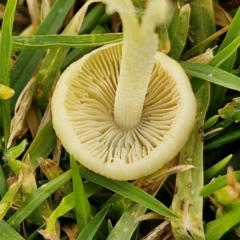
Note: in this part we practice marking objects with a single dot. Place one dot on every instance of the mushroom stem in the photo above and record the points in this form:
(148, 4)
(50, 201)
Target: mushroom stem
(135, 72)
(138, 54)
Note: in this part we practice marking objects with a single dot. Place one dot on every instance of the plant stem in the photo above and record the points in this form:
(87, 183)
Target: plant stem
(5, 54)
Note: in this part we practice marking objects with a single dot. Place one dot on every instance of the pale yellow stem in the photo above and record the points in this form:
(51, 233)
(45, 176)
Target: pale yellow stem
(139, 48)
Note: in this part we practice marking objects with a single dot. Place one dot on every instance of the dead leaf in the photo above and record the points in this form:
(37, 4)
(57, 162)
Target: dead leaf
(18, 124)
(71, 230)
(222, 18)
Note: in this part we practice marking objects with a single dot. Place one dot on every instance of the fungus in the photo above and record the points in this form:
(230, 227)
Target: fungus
(125, 110)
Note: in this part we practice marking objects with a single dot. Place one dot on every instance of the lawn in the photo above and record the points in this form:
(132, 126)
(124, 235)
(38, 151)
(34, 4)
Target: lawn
(78, 162)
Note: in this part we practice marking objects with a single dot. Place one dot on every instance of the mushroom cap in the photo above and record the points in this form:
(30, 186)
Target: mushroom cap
(83, 106)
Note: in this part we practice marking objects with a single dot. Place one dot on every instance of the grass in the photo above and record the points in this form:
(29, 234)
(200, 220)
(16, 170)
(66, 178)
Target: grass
(44, 192)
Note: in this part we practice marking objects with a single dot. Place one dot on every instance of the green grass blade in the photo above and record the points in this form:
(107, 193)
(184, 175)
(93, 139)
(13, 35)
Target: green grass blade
(5, 120)
(67, 203)
(16, 151)
(217, 228)
(216, 169)
(232, 35)
(119, 205)
(9, 197)
(6, 41)
(92, 18)
(90, 230)
(220, 127)
(10, 157)
(34, 200)
(27, 62)
(51, 64)
(82, 207)
(212, 74)
(178, 31)
(217, 184)
(38, 42)
(5, 55)
(223, 140)
(163, 39)
(127, 224)
(47, 75)
(204, 44)
(3, 185)
(187, 204)
(211, 122)
(202, 21)
(8, 233)
(129, 191)
(233, 31)
(42, 145)
(225, 53)
(77, 53)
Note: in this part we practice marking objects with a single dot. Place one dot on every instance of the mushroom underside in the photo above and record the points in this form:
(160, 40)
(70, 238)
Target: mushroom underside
(102, 145)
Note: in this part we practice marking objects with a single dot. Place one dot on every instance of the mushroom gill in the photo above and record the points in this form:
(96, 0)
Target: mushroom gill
(90, 109)
(125, 110)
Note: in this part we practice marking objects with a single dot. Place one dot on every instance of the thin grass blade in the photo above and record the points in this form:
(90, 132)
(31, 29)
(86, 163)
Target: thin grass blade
(178, 30)
(3, 185)
(38, 42)
(129, 191)
(92, 18)
(217, 228)
(217, 184)
(128, 222)
(224, 54)
(34, 200)
(12, 153)
(42, 145)
(7, 232)
(223, 140)
(5, 55)
(77, 53)
(204, 44)
(212, 74)
(27, 62)
(216, 169)
(232, 35)
(6, 41)
(9, 198)
(211, 122)
(90, 230)
(202, 22)
(51, 64)
(66, 204)
(82, 206)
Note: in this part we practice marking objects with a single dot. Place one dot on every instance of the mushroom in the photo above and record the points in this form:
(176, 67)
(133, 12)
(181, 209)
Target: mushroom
(125, 110)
